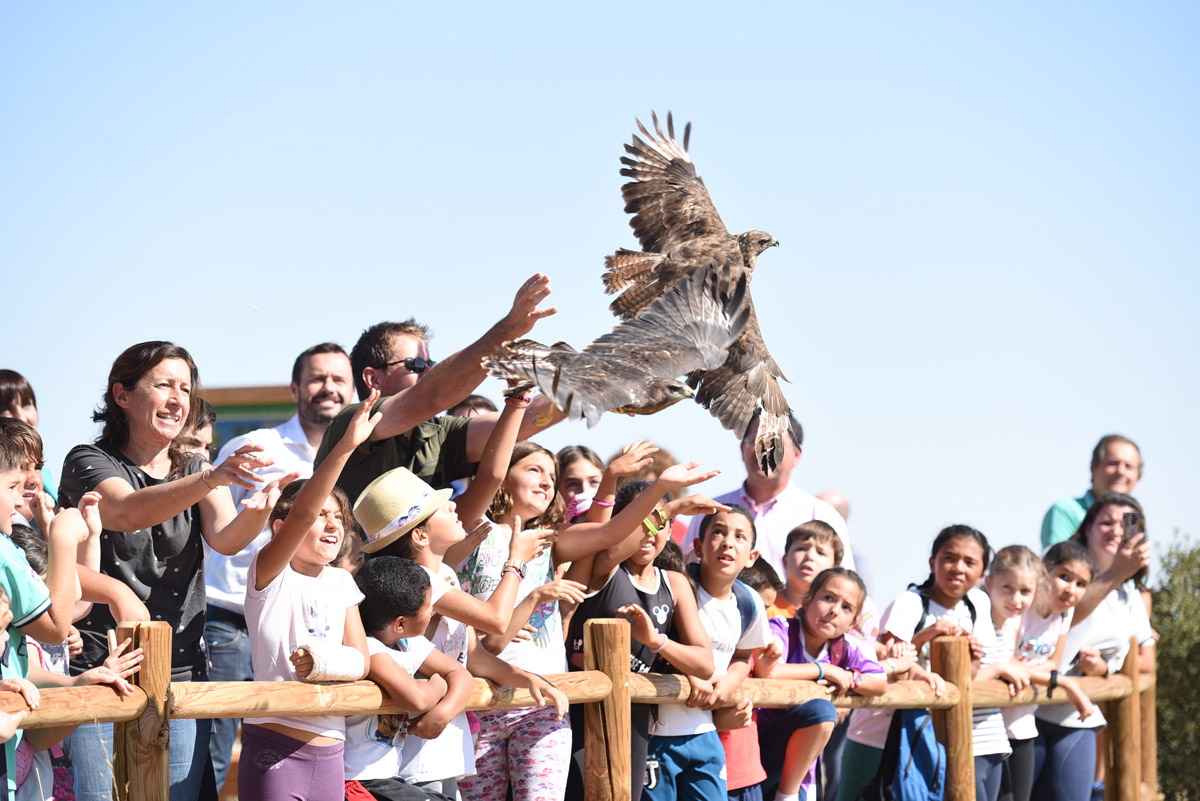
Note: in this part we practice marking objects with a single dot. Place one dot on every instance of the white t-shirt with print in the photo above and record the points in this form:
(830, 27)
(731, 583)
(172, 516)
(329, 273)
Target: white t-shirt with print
(374, 742)
(545, 651)
(1117, 618)
(723, 622)
(293, 610)
(452, 754)
(903, 620)
(1031, 639)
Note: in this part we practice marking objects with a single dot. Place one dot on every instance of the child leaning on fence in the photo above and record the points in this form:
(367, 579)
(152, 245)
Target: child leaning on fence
(813, 646)
(303, 619)
(624, 579)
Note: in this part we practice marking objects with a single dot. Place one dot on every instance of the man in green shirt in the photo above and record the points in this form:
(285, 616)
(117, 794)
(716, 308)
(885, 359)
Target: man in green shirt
(1116, 467)
(394, 358)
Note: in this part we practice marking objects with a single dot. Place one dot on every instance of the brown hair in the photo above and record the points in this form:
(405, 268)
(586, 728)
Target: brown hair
(287, 499)
(25, 437)
(502, 503)
(128, 369)
(375, 346)
(820, 531)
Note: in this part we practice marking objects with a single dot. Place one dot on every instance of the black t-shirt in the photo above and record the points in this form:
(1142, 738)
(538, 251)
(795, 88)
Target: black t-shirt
(163, 564)
(617, 592)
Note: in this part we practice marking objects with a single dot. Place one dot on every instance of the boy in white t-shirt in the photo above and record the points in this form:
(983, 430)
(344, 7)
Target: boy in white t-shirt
(685, 744)
(396, 612)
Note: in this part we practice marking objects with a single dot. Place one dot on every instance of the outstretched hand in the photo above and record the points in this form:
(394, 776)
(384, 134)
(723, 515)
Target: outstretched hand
(633, 458)
(238, 468)
(525, 312)
(265, 498)
(678, 476)
(362, 423)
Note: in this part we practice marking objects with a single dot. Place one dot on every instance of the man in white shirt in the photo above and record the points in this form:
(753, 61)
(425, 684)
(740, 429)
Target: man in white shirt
(322, 384)
(776, 504)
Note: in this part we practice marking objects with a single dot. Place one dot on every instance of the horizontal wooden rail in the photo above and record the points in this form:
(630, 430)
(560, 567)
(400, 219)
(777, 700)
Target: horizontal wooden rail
(242, 699)
(653, 688)
(995, 693)
(71, 706)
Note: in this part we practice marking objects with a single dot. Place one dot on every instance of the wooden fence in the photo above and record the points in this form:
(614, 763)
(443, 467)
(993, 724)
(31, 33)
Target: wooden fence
(606, 686)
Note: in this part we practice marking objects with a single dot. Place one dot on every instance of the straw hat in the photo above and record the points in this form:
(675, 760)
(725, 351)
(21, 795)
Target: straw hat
(393, 505)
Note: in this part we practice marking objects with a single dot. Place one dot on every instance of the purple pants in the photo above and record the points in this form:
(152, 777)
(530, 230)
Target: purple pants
(274, 767)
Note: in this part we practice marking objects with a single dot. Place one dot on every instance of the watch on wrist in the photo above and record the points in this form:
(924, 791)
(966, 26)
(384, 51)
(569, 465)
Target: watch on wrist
(519, 567)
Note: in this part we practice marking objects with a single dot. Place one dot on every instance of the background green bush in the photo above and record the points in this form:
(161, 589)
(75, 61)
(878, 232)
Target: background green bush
(1177, 619)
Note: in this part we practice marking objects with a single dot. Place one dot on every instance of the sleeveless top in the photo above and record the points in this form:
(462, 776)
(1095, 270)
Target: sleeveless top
(621, 589)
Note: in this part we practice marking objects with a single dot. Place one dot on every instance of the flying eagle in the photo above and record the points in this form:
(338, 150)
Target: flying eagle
(679, 228)
(634, 368)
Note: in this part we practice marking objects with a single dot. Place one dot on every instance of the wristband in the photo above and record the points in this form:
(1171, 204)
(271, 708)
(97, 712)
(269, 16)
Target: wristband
(658, 650)
(820, 671)
(857, 676)
(515, 567)
(891, 667)
(605, 504)
(514, 571)
(517, 402)
(1053, 683)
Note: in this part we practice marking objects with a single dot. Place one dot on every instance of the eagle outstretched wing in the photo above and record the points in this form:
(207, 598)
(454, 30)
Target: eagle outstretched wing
(634, 367)
(668, 200)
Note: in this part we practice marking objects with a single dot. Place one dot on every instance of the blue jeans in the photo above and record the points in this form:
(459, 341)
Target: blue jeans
(92, 758)
(229, 660)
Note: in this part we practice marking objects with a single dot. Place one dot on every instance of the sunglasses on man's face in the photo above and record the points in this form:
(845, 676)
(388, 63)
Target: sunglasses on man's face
(413, 364)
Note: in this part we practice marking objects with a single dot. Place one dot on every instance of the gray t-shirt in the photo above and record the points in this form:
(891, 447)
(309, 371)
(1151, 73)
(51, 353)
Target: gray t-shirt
(163, 564)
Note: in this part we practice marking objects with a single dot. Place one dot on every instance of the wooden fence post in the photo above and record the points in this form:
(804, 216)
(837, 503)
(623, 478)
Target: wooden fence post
(610, 651)
(595, 753)
(1125, 734)
(951, 658)
(1149, 716)
(141, 747)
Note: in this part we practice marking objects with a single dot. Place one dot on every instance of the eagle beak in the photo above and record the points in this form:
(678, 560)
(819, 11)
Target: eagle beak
(774, 243)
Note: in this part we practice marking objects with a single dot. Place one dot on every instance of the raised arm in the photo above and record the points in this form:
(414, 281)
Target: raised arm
(457, 376)
(584, 539)
(67, 530)
(123, 508)
(493, 464)
(1132, 556)
(276, 554)
(633, 458)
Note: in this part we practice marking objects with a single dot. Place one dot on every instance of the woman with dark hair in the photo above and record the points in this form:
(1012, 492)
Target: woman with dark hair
(18, 401)
(157, 503)
(1097, 643)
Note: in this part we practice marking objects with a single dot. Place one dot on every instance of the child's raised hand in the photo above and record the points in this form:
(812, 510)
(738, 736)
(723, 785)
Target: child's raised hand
(89, 510)
(362, 423)
(527, 544)
(477, 533)
(678, 476)
(122, 662)
(25, 688)
(264, 499)
(545, 693)
(74, 642)
(42, 507)
(562, 589)
(766, 659)
(694, 505)
(640, 626)
(633, 458)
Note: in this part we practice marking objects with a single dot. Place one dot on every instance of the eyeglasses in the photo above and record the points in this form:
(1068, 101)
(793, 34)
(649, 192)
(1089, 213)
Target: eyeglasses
(413, 364)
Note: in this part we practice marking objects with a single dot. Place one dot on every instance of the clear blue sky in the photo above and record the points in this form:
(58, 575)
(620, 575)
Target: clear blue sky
(987, 215)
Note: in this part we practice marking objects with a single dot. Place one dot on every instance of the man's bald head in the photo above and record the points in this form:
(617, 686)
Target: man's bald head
(838, 501)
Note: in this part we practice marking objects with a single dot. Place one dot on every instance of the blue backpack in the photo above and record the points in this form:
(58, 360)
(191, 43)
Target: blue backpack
(913, 767)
